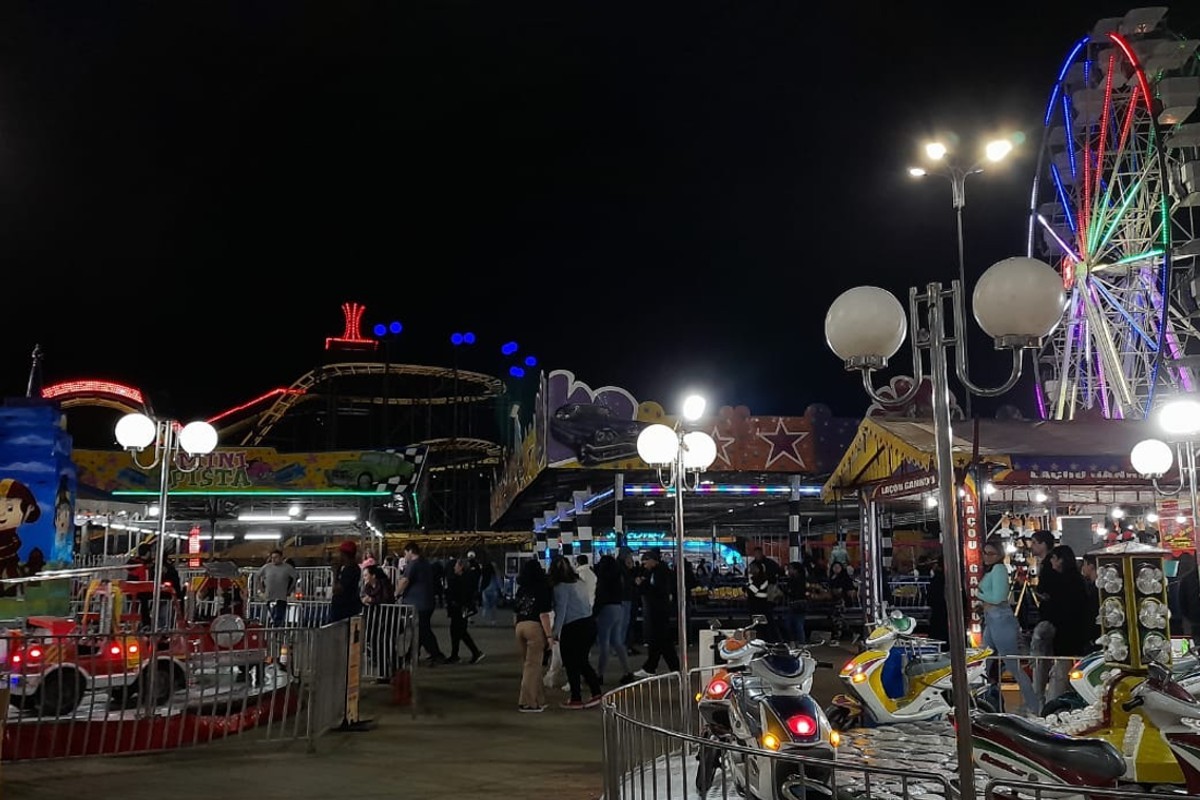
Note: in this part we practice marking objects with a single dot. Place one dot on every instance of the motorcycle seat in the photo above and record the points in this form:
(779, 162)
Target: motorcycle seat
(923, 666)
(1094, 759)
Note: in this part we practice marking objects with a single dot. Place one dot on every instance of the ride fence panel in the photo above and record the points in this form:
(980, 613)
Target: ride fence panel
(648, 757)
(298, 614)
(81, 695)
(1058, 685)
(389, 640)
(909, 594)
(997, 789)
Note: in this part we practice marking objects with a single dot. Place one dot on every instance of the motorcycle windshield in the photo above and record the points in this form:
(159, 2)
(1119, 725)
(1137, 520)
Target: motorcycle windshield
(786, 666)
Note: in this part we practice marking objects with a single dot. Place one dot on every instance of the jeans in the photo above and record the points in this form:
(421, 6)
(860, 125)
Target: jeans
(277, 613)
(459, 634)
(425, 633)
(792, 625)
(626, 620)
(1000, 633)
(491, 597)
(575, 642)
(609, 637)
(1042, 644)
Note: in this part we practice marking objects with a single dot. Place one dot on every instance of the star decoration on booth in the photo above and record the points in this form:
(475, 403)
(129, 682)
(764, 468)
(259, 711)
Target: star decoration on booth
(783, 444)
(723, 444)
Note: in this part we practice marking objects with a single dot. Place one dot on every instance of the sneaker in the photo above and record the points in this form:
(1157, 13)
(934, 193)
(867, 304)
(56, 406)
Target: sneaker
(628, 677)
(453, 660)
(475, 659)
(641, 673)
(572, 704)
(592, 701)
(531, 709)
(566, 687)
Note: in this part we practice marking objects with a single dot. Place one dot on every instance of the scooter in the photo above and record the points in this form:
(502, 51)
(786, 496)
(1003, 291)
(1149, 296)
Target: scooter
(1089, 674)
(1009, 747)
(760, 701)
(921, 664)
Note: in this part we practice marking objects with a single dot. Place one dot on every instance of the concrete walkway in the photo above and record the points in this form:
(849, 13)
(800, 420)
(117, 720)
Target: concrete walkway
(467, 739)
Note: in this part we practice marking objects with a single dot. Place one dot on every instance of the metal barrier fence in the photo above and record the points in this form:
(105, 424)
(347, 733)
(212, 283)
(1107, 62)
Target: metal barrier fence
(95, 694)
(649, 755)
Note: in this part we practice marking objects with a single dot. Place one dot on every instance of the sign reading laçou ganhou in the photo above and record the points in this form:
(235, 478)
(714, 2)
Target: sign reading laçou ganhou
(906, 485)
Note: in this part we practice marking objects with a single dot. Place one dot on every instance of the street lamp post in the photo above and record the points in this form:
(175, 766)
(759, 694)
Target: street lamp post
(1179, 418)
(1017, 302)
(173, 445)
(683, 452)
(994, 151)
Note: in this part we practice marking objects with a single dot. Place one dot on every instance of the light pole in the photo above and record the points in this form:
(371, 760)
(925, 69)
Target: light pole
(1017, 302)
(994, 151)
(1179, 418)
(173, 446)
(682, 452)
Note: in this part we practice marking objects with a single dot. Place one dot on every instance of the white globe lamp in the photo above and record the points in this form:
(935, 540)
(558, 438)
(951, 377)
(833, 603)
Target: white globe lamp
(1019, 298)
(1151, 457)
(1180, 417)
(657, 445)
(865, 324)
(198, 438)
(135, 431)
(693, 407)
(699, 450)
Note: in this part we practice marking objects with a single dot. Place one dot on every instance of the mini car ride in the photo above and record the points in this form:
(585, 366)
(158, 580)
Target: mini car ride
(53, 662)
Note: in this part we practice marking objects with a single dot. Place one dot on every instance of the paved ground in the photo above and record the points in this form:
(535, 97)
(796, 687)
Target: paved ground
(467, 739)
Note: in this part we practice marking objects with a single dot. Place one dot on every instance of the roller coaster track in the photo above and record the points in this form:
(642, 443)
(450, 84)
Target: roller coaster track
(487, 387)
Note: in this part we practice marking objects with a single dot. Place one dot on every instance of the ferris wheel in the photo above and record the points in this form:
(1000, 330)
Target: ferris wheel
(1115, 206)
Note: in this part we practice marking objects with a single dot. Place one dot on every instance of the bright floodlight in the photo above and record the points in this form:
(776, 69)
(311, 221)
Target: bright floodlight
(997, 150)
(935, 150)
(1151, 457)
(699, 450)
(135, 431)
(865, 321)
(1019, 297)
(693, 407)
(1180, 417)
(917, 172)
(657, 445)
(198, 438)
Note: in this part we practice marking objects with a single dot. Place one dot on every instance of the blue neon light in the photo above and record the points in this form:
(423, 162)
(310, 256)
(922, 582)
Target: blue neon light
(1062, 197)
(508, 348)
(456, 339)
(395, 327)
(1062, 73)
(516, 372)
(468, 338)
(530, 361)
(380, 329)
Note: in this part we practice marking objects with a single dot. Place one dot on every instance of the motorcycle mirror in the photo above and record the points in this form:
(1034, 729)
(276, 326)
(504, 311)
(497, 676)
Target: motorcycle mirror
(715, 625)
(758, 619)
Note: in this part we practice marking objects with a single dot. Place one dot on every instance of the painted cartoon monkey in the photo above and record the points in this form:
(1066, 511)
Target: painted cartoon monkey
(18, 507)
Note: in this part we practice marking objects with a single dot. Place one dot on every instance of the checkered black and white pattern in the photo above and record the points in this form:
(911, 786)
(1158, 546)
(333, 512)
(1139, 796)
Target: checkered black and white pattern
(398, 484)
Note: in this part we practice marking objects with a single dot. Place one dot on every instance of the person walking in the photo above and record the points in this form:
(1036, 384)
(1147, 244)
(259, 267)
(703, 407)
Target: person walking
(1070, 617)
(583, 568)
(609, 607)
(575, 632)
(532, 606)
(417, 590)
(346, 601)
(657, 589)
(630, 596)
(276, 580)
(460, 606)
(1041, 644)
(935, 594)
(1000, 628)
(489, 592)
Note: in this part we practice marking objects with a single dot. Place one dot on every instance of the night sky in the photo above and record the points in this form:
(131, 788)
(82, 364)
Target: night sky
(654, 195)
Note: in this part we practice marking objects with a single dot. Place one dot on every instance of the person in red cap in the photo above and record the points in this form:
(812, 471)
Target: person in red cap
(346, 601)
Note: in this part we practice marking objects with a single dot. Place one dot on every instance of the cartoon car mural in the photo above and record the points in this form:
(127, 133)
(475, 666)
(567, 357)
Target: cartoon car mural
(595, 433)
(368, 470)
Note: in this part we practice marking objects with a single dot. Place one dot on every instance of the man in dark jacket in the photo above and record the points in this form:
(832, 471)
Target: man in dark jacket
(657, 584)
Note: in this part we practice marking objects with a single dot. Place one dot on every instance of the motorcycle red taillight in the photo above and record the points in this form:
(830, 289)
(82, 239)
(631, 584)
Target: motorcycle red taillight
(802, 725)
(717, 688)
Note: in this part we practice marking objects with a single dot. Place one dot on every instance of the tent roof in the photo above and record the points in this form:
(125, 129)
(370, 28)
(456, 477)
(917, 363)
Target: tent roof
(881, 447)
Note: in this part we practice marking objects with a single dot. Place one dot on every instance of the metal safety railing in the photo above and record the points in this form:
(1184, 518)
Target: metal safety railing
(95, 694)
(649, 756)
(652, 742)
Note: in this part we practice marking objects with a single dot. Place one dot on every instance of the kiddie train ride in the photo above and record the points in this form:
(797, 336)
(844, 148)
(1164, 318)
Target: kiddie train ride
(1142, 730)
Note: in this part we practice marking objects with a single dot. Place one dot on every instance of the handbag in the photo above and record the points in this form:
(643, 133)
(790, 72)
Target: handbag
(774, 593)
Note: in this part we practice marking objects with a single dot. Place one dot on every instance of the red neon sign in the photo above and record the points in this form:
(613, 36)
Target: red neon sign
(74, 388)
(351, 338)
(194, 546)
